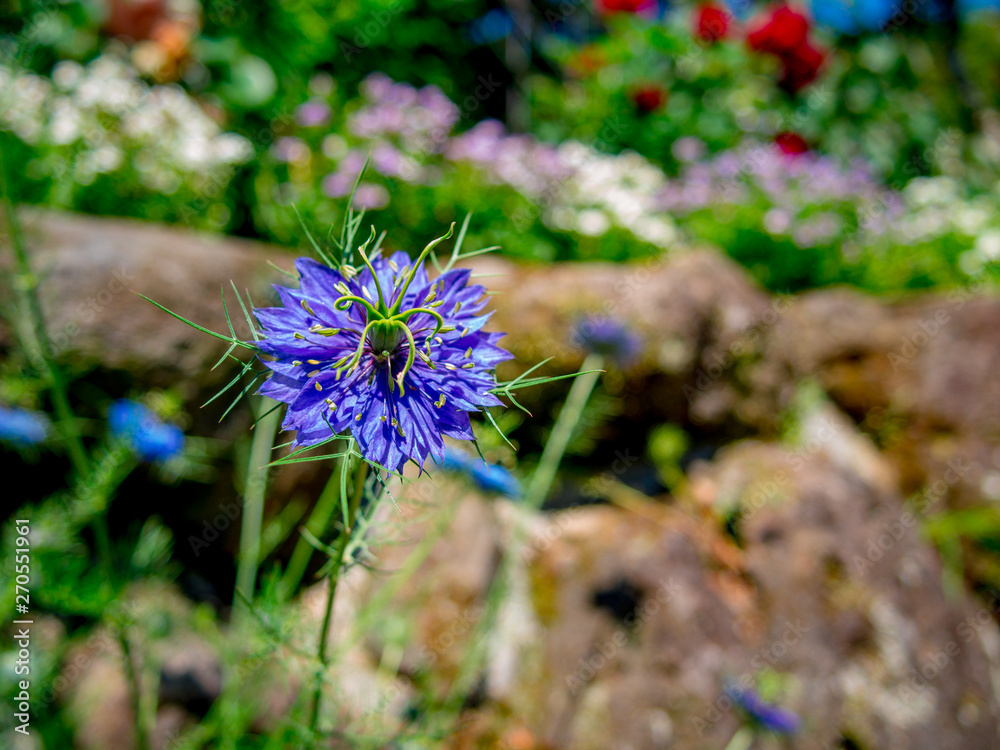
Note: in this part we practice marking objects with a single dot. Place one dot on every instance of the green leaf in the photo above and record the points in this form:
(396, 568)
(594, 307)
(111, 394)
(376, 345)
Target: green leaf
(230, 339)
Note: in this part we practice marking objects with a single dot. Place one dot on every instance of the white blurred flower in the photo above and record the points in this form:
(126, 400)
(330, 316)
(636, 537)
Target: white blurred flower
(988, 244)
(592, 222)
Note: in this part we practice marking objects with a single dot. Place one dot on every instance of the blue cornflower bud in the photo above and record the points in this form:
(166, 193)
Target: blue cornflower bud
(608, 337)
(382, 351)
(145, 433)
(762, 714)
(21, 427)
(488, 477)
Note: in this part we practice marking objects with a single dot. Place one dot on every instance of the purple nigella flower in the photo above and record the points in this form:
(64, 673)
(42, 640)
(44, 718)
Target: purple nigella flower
(608, 337)
(22, 427)
(394, 357)
(770, 717)
(146, 433)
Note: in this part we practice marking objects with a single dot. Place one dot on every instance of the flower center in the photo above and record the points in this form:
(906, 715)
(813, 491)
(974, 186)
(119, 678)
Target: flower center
(385, 336)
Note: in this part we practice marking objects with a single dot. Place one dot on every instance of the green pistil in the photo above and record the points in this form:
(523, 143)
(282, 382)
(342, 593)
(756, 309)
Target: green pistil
(344, 302)
(382, 309)
(409, 360)
(413, 269)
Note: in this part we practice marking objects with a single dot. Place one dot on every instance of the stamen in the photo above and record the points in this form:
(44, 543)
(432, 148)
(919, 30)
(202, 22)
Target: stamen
(394, 266)
(305, 306)
(465, 332)
(368, 295)
(357, 418)
(319, 387)
(440, 402)
(468, 365)
(313, 361)
(430, 297)
(298, 336)
(458, 306)
(438, 303)
(331, 404)
(449, 366)
(313, 374)
(296, 363)
(468, 352)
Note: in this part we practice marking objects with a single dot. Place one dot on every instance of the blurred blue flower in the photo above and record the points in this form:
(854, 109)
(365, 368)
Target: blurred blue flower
(495, 24)
(488, 477)
(22, 427)
(763, 714)
(854, 16)
(608, 337)
(147, 434)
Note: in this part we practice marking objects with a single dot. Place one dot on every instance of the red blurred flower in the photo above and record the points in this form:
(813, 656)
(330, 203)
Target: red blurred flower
(801, 67)
(791, 143)
(627, 6)
(711, 23)
(786, 35)
(134, 19)
(649, 98)
(784, 31)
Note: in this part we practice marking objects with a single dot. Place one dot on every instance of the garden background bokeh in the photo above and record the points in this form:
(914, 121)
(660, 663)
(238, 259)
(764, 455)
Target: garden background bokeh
(791, 209)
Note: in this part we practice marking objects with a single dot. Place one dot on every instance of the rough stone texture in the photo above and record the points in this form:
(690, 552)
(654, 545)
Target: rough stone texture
(94, 689)
(831, 588)
(89, 268)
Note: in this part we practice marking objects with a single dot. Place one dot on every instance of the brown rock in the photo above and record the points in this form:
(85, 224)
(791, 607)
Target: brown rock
(640, 617)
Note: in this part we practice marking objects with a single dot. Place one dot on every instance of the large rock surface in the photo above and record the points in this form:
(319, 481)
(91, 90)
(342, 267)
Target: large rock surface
(630, 619)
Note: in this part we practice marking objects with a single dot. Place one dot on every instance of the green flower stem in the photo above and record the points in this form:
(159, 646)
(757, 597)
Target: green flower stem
(38, 345)
(360, 474)
(562, 432)
(135, 691)
(742, 740)
(535, 494)
(253, 500)
(374, 608)
(316, 524)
